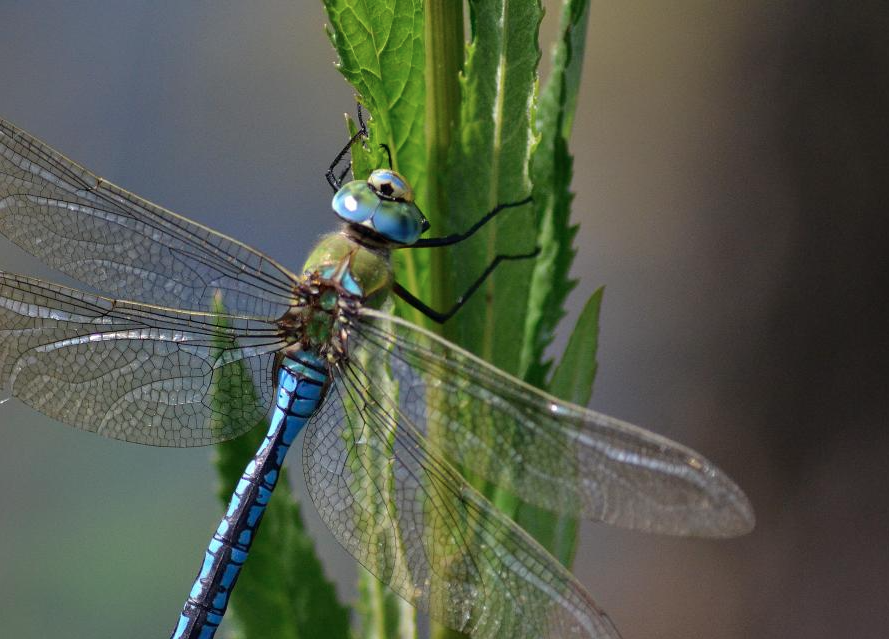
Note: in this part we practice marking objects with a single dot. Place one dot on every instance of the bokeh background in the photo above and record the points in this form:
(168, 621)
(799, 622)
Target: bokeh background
(731, 181)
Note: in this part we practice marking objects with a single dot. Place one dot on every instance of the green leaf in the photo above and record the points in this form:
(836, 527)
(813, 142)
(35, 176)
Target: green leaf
(380, 45)
(282, 591)
(382, 55)
(381, 50)
(382, 614)
(551, 170)
(573, 378)
(488, 167)
(480, 147)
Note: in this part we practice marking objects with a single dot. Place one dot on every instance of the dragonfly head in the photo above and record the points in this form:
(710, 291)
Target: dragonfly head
(384, 204)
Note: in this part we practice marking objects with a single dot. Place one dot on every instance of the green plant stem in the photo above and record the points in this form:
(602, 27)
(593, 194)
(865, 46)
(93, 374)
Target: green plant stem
(444, 61)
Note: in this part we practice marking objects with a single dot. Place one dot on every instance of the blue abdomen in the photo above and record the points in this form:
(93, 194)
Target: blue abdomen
(302, 382)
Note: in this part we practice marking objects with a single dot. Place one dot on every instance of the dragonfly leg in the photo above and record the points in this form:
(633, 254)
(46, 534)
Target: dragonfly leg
(386, 148)
(441, 317)
(336, 181)
(459, 237)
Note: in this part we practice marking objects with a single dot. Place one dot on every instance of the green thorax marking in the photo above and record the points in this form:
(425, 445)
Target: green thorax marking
(361, 271)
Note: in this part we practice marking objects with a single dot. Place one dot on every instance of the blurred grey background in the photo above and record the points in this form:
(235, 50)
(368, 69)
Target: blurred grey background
(731, 181)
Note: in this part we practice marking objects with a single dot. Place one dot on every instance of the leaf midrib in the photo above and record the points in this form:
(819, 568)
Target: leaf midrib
(494, 187)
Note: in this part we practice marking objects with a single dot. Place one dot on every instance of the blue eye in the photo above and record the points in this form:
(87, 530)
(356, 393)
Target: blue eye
(385, 204)
(355, 202)
(398, 221)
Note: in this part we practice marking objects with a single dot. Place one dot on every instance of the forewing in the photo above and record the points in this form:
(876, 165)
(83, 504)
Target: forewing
(124, 245)
(550, 453)
(413, 521)
(125, 370)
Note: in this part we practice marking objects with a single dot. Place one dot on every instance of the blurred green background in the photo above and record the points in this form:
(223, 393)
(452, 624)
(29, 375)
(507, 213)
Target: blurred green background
(731, 188)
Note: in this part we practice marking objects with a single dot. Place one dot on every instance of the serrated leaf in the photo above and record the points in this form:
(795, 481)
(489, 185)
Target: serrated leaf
(488, 164)
(551, 170)
(282, 591)
(490, 167)
(380, 45)
(381, 51)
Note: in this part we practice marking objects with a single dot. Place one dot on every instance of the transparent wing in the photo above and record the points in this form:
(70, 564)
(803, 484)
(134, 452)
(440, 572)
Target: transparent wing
(123, 245)
(414, 522)
(125, 370)
(550, 453)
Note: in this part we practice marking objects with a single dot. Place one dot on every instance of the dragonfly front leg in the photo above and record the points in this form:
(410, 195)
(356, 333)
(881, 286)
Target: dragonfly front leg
(336, 181)
(301, 384)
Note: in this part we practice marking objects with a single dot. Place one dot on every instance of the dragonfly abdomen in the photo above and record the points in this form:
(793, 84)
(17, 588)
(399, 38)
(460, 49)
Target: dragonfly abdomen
(302, 382)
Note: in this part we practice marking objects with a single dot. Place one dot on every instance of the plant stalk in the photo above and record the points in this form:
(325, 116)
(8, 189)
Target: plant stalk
(444, 62)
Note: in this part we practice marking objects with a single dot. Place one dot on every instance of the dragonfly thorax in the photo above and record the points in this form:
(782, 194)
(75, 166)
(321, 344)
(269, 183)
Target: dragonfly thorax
(340, 276)
(363, 270)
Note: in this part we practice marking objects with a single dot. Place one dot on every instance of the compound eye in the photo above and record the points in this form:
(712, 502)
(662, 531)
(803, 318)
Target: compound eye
(390, 185)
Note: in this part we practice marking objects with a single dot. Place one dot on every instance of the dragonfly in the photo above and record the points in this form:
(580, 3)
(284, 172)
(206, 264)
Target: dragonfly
(184, 311)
